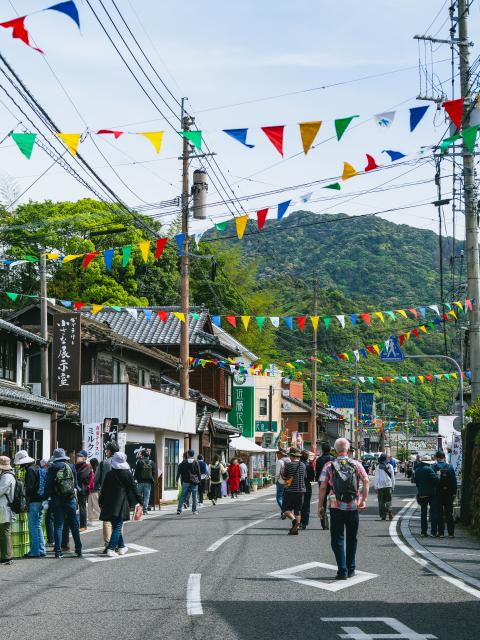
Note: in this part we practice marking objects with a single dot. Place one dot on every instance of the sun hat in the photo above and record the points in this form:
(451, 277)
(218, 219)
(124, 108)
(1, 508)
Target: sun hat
(82, 454)
(382, 457)
(5, 463)
(119, 461)
(22, 457)
(293, 452)
(59, 455)
(426, 458)
(44, 462)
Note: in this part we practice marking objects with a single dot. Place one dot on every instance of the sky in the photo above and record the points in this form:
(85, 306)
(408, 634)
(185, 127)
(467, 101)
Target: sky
(220, 54)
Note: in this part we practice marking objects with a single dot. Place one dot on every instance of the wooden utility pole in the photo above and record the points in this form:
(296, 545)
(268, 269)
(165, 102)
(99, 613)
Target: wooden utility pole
(45, 385)
(314, 365)
(185, 265)
(356, 421)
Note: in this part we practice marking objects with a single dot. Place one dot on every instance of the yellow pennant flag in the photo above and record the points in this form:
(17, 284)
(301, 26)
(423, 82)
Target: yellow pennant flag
(155, 137)
(422, 379)
(440, 375)
(144, 249)
(459, 305)
(308, 133)
(241, 223)
(52, 256)
(452, 313)
(70, 140)
(314, 320)
(379, 314)
(96, 308)
(346, 356)
(72, 257)
(377, 348)
(407, 335)
(179, 315)
(348, 171)
(423, 328)
(454, 375)
(289, 365)
(402, 312)
(245, 320)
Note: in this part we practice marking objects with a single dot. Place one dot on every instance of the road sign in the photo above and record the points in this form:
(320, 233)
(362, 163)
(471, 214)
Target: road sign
(392, 351)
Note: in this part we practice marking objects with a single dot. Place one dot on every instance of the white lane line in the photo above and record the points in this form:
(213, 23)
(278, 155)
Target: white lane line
(461, 580)
(220, 541)
(194, 600)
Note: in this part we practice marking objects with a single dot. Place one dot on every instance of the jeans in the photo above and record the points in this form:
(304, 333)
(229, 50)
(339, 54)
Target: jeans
(425, 502)
(37, 543)
(444, 511)
(82, 510)
(384, 497)
(187, 488)
(145, 489)
(49, 523)
(280, 492)
(305, 514)
(6, 552)
(65, 510)
(343, 537)
(116, 539)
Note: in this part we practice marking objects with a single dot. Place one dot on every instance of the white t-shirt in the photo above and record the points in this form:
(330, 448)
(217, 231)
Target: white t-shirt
(279, 468)
(243, 471)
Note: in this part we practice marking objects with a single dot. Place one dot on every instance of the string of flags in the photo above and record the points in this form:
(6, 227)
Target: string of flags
(420, 379)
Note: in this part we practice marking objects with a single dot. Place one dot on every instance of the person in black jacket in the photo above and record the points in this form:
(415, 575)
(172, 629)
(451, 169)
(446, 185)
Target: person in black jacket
(119, 494)
(34, 505)
(189, 473)
(321, 462)
(445, 494)
(307, 497)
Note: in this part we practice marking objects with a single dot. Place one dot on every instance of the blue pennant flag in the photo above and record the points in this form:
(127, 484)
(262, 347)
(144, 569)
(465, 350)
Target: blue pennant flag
(108, 258)
(148, 314)
(394, 155)
(289, 322)
(240, 135)
(69, 8)
(282, 209)
(180, 237)
(363, 352)
(423, 311)
(353, 318)
(66, 303)
(416, 114)
(437, 321)
(216, 320)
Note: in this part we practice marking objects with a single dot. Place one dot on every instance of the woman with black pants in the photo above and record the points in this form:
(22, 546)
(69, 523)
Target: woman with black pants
(307, 497)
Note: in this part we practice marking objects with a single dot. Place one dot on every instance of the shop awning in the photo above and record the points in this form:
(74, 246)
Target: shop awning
(244, 444)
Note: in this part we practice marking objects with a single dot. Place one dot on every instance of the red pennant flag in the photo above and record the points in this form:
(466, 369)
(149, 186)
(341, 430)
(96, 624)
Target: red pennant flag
(163, 315)
(342, 356)
(232, 320)
(366, 318)
(401, 339)
(17, 25)
(89, 257)
(468, 304)
(261, 217)
(301, 322)
(415, 333)
(117, 134)
(454, 108)
(414, 312)
(429, 378)
(78, 305)
(160, 246)
(371, 350)
(371, 163)
(445, 317)
(275, 135)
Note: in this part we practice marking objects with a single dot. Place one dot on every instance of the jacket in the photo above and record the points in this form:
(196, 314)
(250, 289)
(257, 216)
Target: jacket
(119, 494)
(451, 478)
(32, 484)
(321, 462)
(103, 468)
(85, 476)
(186, 469)
(50, 489)
(139, 467)
(384, 479)
(7, 489)
(426, 480)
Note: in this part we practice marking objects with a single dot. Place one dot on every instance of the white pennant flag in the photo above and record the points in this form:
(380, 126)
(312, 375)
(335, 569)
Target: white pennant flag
(198, 237)
(16, 263)
(51, 300)
(341, 320)
(385, 119)
(132, 312)
(405, 378)
(434, 307)
(305, 198)
(356, 354)
(362, 379)
(275, 321)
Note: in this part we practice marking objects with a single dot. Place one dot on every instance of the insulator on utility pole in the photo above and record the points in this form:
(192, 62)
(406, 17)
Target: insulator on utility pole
(199, 192)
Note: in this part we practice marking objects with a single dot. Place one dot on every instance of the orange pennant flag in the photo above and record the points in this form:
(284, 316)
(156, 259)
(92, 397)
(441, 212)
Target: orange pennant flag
(308, 133)
(348, 171)
(241, 224)
(70, 140)
(155, 137)
(144, 249)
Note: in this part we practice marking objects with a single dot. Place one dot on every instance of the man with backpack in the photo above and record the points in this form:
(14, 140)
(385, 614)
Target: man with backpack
(426, 481)
(34, 504)
(62, 487)
(343, 476)
(189, 473)
(445, 495)
(293, 474)
(7, 491)
(145, 477)
(104, 467)
(384, 485)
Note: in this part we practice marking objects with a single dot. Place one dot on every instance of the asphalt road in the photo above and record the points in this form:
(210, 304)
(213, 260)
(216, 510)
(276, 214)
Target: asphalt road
(187, 579)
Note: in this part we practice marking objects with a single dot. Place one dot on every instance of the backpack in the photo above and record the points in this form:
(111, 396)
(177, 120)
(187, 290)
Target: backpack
(194, 473)
(444, 480)
(65, 483)
(345, 481)
(19, 502)
(215, 473)
(146, 474)
(42, 482)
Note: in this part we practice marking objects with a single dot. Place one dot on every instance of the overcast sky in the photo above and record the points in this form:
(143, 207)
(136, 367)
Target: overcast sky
(223, 53)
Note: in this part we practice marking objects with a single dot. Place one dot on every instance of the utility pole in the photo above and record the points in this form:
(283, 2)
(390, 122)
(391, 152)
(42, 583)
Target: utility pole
(407, 430)
(314, 365)
(382, 432)
(45, 385)
(185, 265)
(270, 407)
(356, 421)
(471, 222)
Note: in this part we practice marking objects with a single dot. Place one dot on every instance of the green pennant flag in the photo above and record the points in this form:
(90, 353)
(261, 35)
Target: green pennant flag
(334, 185)
(12, 296)
(469, 136)
(115, 308)
(30, 258)
(370, 379)
(447, 376)
(25, 142)
(327, 321)
(412, 379)
(391, 314)
(195, 316)
(260, 320)
(195, 137)
(431, 325)
(341, 125)
(221, 226)
(126, 253)
(448, 141)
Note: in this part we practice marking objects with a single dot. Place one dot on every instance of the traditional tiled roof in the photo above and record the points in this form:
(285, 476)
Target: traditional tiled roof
(222, 426)
(21, 333)
(203, 420)
(19, 396)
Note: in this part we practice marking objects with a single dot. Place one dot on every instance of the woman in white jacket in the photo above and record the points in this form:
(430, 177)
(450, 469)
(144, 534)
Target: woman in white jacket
(7, 490)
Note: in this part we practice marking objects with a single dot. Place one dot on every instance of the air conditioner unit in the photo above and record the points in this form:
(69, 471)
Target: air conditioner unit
(267, 439)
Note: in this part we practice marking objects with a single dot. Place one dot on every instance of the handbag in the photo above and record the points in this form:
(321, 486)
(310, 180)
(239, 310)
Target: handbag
(138, 513)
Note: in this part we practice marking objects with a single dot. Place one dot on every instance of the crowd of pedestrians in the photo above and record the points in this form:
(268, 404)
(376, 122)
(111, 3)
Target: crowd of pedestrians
(436, 489)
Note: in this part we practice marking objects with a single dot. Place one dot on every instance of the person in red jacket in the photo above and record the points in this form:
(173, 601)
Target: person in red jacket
(233, 478)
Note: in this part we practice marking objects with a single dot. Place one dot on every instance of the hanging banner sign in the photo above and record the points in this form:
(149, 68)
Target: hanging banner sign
(93, 440)
(66, 352)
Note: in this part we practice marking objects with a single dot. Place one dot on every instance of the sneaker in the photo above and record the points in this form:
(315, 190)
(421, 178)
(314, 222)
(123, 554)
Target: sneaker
(111, 553)
(6, 562)
(424, 535)
(440, 535)
(179, 513)
(105, 550)
(78, 553)
(59, 555)
(122, 551)
(351, 573)
(195, 513)
(390, 515)
(303, 526)
(295, 528)
(340, 576)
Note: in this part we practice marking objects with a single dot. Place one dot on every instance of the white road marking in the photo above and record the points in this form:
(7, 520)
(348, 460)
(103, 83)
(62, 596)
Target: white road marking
(333, 586)
(403, 632)
(219, 542)
(96, 554)
(428, 560)
(194, 600)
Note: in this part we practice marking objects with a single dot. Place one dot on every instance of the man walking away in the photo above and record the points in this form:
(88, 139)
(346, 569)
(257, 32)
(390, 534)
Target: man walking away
(320, 463)
(189, 473)
(216, 472)
(103, 468)
(203, 477)
(309, 478)
(243, 477)
(446, 492)
(145, 477)
(85, 482)
(34, 505)
(384, 485)
(62, 487)
(293, 474)
(343, 476)
(282, 459)
(426, 481)
(7, 490)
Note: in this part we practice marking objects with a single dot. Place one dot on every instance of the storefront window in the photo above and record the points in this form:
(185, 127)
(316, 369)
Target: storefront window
(263, 407)
(228, 390)
(8, 359)
(302, 427)
(172, 448)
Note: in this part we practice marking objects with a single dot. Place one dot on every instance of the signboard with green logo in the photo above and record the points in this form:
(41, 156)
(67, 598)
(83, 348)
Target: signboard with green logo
(241, 414)
(264, 425)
